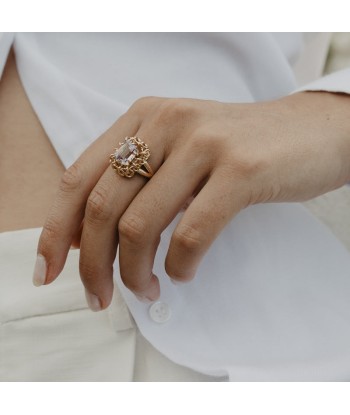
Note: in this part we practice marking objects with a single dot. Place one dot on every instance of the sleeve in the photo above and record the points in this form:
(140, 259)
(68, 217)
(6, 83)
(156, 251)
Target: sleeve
(319, 48)
(335, 82)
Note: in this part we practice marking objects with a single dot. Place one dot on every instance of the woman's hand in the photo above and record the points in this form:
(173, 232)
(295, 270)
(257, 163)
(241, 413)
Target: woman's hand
(227, 156)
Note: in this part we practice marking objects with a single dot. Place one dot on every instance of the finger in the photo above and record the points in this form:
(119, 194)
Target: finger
(67, 212)
(214, 206)
(99, 238)
(150, 212)
(106, 204)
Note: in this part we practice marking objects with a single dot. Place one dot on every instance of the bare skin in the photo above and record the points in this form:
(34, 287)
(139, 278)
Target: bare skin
(291, 149)
(30, 169)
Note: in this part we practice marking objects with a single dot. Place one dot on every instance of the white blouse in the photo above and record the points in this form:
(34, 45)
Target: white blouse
(271, 299)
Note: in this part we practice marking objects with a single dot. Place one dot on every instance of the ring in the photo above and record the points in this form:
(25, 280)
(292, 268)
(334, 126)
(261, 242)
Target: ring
(131, 157)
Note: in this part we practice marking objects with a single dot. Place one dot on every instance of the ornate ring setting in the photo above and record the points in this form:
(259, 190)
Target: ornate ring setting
(131, 157)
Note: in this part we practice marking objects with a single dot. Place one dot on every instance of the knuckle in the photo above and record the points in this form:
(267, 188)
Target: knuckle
(188, 238)
(143, 104)
(124, 118)
(143, 101)
(98, 207)
(211, 139)
(72, 178)
(175, 110)
(243, 167)
(203, 142)
(132, 229)
(209, 148)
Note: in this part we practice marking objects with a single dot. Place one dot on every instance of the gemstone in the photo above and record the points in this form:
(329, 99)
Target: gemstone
(126, 153)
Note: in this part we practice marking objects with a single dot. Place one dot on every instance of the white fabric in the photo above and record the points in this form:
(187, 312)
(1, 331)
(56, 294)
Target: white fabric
(270, 301)
(335, 82)
(311, 61)
(79, 84)
(49, 333)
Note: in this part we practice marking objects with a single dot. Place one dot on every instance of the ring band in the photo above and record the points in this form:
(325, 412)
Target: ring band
(131, 157)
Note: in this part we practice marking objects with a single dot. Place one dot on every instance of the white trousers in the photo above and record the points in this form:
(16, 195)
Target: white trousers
(49, 334)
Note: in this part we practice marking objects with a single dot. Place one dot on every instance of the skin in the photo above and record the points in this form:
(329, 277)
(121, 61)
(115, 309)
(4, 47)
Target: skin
(228, 156)
(30, 170)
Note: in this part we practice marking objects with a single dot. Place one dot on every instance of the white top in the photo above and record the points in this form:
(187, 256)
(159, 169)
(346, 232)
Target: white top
(271, 298)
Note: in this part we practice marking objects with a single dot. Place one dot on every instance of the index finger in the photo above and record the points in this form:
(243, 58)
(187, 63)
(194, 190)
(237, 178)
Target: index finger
(67, 212)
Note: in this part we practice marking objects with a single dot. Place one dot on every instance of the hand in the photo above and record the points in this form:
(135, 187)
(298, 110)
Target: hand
(227, 156)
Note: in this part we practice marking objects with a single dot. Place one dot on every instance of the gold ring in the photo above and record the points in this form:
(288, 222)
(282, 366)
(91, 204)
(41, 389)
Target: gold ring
(131, 157)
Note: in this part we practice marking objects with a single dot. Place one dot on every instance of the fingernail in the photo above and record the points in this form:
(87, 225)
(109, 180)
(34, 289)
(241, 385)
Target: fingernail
(93, 301)
(151, 294)
(39, 275)
(143, 299)
(153, 291)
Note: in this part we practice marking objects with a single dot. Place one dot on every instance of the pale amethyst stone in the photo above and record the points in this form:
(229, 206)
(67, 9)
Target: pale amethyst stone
(126, 153)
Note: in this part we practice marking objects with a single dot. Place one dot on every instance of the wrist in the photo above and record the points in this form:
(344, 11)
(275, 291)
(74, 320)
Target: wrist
(327, 114)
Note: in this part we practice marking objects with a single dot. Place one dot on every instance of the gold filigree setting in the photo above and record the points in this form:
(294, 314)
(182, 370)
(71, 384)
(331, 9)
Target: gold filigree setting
(131, 157)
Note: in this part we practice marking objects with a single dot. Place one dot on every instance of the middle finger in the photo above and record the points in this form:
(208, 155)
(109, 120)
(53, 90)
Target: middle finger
(106, 204)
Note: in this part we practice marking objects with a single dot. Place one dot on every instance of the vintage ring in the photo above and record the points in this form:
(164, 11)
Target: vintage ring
(131, 157)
